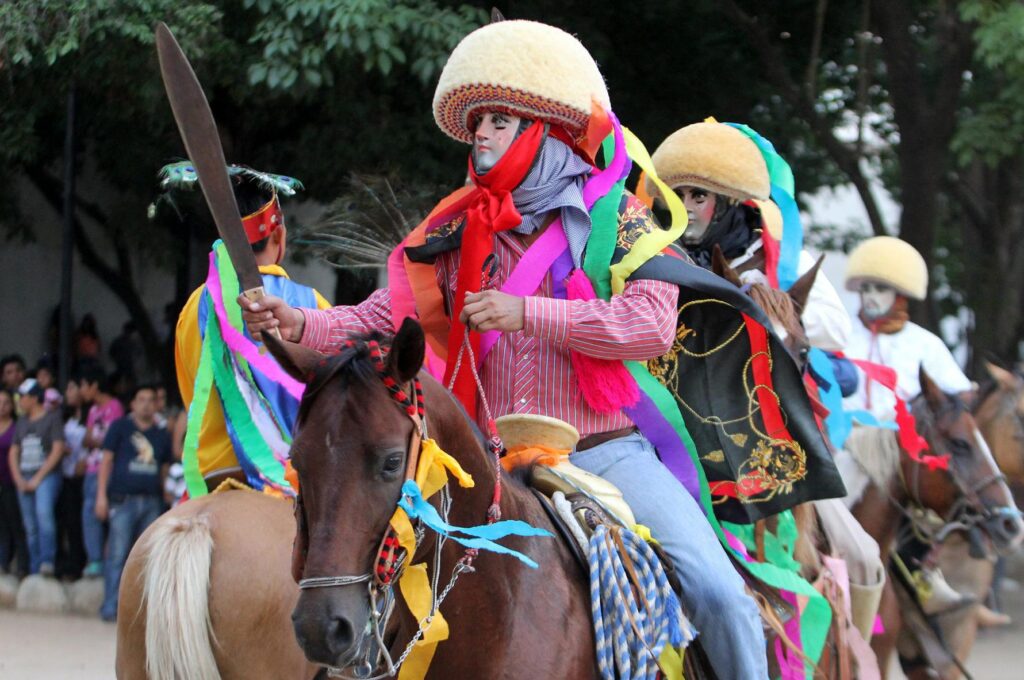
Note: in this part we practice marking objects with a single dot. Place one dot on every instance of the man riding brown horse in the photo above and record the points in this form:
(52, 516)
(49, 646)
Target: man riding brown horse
(721, 171)
(549, 289)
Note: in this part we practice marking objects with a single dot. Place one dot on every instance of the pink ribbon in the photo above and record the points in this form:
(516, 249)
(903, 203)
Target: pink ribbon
(237, 342)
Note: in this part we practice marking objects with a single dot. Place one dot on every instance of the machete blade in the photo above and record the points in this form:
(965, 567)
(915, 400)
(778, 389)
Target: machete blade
(202, 143)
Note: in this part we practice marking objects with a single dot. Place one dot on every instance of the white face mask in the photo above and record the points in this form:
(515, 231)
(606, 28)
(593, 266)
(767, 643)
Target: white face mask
(876, 299)
(700, 210)
(494, 133)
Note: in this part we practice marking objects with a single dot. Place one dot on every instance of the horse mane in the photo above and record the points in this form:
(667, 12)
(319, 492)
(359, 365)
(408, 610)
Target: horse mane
(779, 307)
(353, 362)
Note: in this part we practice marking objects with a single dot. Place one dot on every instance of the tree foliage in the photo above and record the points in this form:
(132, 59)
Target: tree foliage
(926, 95)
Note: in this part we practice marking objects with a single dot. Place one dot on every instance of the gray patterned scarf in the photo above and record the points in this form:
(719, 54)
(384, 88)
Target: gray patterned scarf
(556, 182)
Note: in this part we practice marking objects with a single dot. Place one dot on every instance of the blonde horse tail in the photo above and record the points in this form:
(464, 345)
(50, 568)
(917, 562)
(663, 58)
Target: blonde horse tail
(179, 633)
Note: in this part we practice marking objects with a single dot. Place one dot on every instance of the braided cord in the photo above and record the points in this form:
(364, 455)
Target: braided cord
(631, 632)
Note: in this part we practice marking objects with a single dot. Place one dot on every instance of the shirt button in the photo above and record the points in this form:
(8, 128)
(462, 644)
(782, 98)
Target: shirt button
(522, 401)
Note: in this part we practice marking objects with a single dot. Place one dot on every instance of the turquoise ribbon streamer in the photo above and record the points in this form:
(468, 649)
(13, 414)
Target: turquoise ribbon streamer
(481, 537)
(783, 192)
(839, 421)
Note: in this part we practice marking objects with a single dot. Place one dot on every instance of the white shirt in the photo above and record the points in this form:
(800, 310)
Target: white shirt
(906, 352)
(826, 321)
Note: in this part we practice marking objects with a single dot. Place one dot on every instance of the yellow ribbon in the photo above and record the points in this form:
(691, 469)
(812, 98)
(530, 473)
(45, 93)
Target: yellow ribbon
(431, 475)
(652, 243)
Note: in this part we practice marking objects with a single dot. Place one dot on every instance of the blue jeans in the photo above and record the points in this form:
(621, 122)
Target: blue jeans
(713, 593)
(37, 512)
(92, 527)
(129, 517)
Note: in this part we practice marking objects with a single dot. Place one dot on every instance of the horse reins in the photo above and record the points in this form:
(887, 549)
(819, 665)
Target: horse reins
(391, 558)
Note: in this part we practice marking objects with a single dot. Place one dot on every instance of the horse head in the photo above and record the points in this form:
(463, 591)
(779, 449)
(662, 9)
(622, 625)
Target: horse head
(353, 449)
(1000, 416)
(783, 308)
(970, 491)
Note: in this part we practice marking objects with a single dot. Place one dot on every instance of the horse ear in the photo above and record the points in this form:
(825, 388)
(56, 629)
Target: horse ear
(935, 397)
(296, 360)
(496, 15)
(800, 290)
(408, 350)
(1005, 378)
(720, 266)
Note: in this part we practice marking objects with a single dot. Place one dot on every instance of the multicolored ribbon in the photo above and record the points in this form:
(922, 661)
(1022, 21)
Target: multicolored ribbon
(783, 192)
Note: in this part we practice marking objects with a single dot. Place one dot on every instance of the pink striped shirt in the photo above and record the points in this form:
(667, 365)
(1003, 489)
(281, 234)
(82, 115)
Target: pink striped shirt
(529, 371)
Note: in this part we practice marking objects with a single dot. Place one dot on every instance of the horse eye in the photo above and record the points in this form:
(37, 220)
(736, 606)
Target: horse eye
(392, 464)
(961, 447)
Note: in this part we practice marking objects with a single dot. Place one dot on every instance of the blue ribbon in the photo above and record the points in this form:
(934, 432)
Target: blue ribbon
(481, 537)
(792, 237)
(839, 421)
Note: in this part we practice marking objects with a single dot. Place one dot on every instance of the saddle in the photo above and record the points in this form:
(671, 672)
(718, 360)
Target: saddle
(576, 501)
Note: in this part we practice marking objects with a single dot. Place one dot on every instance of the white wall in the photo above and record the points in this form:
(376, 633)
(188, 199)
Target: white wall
(30, 285)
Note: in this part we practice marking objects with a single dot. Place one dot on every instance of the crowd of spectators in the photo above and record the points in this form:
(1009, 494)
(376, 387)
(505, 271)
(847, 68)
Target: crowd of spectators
(83, 470)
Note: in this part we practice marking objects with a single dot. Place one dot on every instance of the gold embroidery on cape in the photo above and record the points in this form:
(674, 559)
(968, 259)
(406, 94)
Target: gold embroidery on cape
(635, 220)
(774, 464)
(446, 229)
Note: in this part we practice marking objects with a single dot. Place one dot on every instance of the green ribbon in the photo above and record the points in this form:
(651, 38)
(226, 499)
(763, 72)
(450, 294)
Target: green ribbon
(194, 481)
(604, 232)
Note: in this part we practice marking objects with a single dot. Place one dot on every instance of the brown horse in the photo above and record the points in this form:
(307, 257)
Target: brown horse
(970, 493)
(1000, 416)
(207, 591)
(351, 451)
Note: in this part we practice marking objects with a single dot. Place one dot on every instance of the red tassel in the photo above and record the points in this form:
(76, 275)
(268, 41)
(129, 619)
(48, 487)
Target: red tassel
(606, 385)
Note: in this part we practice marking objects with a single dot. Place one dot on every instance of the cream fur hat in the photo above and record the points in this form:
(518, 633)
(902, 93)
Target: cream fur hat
(888, 260)
(524, 68)
(715, 157)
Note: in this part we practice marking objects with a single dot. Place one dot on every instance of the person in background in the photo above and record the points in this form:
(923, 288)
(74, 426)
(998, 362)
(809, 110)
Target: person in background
(12, 531)
(70, 543)
(12, 372)
(136, 455)
(86, 343)
(95, 387)
(127, 352)
(44, 375)
(34, 459)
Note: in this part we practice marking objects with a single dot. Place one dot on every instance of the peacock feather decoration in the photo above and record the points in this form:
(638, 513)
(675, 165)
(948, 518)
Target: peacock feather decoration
(363, 225)
(182, 175)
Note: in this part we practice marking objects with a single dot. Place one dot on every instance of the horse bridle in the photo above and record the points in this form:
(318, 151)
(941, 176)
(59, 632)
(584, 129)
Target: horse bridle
(391, 558)
(968, 511)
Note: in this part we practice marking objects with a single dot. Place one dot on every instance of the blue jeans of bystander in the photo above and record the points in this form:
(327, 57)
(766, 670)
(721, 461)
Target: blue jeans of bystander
(92, 526)
(37, 512)
(129, 517)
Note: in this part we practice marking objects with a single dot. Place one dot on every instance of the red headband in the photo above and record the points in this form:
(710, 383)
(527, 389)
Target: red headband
(262, 223)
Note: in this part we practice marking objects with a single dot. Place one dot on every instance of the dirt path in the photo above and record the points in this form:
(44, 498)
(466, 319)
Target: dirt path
(38, 647)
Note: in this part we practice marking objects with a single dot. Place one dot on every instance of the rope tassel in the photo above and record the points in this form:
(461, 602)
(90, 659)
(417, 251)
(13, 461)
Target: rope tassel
(633, 620)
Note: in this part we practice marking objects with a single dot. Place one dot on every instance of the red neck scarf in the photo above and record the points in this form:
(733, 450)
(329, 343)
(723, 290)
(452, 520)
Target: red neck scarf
(489, 209)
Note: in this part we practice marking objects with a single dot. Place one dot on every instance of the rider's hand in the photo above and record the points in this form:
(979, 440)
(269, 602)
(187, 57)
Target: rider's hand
(272, 312)
(492, 310)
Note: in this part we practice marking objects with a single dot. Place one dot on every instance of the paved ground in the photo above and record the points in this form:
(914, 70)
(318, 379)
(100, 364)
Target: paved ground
(37, 647)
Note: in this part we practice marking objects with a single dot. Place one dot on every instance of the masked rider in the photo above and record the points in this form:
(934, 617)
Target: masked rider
(524, 95)
(723, 179)
(887, 273)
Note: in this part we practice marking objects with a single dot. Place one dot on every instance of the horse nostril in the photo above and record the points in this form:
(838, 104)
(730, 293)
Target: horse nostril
(339, 635)
(1012, 527)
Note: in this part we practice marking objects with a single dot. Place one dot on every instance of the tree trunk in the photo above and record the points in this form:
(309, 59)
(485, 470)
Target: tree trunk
(925, 111)
(993, 229)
